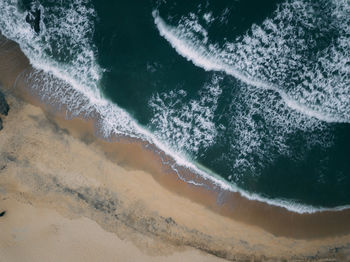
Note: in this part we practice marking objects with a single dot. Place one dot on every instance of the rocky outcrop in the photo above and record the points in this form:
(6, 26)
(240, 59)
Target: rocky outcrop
(4, 107)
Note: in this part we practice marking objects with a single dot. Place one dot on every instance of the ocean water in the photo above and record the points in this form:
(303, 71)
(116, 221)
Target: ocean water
(257, 92)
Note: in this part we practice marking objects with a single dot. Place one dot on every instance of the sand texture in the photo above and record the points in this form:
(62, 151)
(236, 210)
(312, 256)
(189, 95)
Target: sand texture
(65, 200)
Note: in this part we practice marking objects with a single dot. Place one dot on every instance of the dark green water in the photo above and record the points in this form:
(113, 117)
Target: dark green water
(256, 91)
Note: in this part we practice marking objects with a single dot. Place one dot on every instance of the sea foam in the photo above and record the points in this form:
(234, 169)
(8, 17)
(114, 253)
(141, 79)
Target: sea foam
(273, 56)
(74, 82)
(186, 124)
(292, 83)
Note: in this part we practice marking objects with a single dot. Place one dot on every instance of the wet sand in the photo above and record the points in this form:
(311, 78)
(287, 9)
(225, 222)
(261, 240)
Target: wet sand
(52, 164)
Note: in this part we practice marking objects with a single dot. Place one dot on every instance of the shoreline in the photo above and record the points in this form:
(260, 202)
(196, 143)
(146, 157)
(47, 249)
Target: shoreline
(278, 219)
(133, 130)
(142, 135)
(50, 169)
(221, 210)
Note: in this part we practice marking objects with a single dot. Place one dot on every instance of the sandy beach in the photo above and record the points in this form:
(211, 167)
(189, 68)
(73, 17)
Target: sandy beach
(71, 196)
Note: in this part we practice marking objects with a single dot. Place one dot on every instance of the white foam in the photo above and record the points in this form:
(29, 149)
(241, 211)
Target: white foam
(260, 128)
(261, 56)
(186, 125)
(64, 44)
(313, 96)
(73, 83)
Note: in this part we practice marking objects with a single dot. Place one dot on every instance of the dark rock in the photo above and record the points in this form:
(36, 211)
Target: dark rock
(0, 123)
(2, 213)
(4, 107)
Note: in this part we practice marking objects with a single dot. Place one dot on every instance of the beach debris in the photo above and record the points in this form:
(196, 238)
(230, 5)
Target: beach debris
(2, 213)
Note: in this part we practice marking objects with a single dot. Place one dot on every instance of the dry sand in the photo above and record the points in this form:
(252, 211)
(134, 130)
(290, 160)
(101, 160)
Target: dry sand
(32, 233)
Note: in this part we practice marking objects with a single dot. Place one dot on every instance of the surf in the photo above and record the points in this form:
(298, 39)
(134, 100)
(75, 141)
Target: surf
(75, 84)
(231, 58)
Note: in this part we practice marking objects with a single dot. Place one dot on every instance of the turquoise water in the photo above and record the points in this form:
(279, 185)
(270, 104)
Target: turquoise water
(256, 91)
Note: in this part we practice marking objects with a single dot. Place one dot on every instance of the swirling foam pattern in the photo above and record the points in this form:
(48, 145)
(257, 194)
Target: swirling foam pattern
(302, 52)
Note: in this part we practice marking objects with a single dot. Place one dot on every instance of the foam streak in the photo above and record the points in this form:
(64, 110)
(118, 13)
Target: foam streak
(200, 56)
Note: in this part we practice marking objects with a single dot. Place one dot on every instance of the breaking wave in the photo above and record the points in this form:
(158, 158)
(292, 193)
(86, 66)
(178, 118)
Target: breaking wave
(61, 49)
(283, 54)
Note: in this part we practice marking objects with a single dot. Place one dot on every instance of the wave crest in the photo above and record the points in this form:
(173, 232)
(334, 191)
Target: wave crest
(302, 52)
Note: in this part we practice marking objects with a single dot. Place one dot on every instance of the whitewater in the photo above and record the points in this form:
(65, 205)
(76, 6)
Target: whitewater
(75, 83)
(183, 38)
